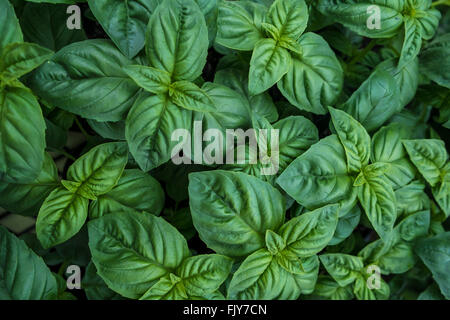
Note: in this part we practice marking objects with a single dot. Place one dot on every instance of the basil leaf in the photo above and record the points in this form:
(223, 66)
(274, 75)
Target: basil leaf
(363, 292)
(315, 77)
(344, 268)
(387, 147)
(354, 138)
(100, 168)
(203, 274)
(434, 252)
(135, 191)
(434, 60)
(10, 28)
(19, 59)
(86, 78)
(170, 45)
(354, 14)
(27, 198)
(132, 251)
(23, 274)
(309, 233)
(124, 21)
(188, 96)
(319, 176)
(429, 156)
(149, 127)
(61, 216)
(45, 24)
(375, 101)
(232, 210)
(290, 17)
(239, 24)
(151, 79)
(378, 200)
(268, 65)
(20, 109)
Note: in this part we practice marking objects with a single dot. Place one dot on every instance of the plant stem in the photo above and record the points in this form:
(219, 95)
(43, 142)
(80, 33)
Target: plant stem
(63, 152)
(81, 128)
(439, 2)
(363, 53)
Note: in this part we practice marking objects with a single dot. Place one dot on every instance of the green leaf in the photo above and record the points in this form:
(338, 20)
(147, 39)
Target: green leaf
(232, 211)
(260, 277)
(46, 25)
(168, 287)
(61, 216)
(188, 96)
(203, 274)
(309, 233)
(378, 200)
(327, 287)
(387, 147)
(407, 78)
(363, 292)
(22, 136)
(239, 24)
(20, 58)
(135, 191)
(124, 21)
(10, 28)
(441, 192)
(355, 15)
(23, 274)
(434, 60)
(132, 251)
(290, 17)
(354, 138)
(319, 176)
(413, 41)
(268, 65)
(86, 78)
(429, 156)
(343, 268)
(375, 101)
(274, 242)
(95, 287)
(149, 127)
(315, 78)
(151, 79)
(435, 254)
(177, 39)
(100, 168)
(27, 198)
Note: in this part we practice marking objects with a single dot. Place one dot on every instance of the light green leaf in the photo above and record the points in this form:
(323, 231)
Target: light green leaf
(151, 79)
(239, 24)
(268, 65)
(354, 138)
(149, 128)
(319, 176)
(378, 200)
(86, 78)
(100, 168)
(61, 216)
(135, 191)
(188, 96)
(203, 274)
(290, 17)
(232, 210)
(309, 233)
(343, 268)
(132, 251)
(315, 77)
(177, 39)
(20, 58)
(429, 156)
